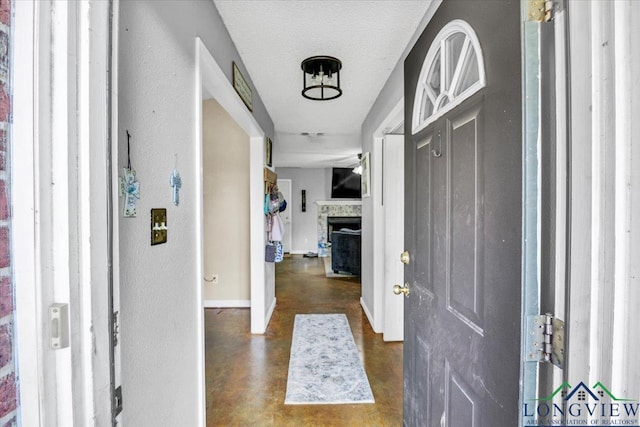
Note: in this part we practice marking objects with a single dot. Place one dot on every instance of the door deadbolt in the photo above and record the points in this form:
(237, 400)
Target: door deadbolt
(405, 258)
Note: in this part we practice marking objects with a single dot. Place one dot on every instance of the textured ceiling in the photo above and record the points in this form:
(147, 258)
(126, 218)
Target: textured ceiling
(273, 37)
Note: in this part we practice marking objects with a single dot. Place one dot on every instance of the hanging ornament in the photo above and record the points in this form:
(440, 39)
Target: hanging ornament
(129, 187)
(175, 181)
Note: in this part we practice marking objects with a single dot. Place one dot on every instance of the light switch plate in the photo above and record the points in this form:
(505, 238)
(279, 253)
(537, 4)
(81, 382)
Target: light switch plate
(158, 226)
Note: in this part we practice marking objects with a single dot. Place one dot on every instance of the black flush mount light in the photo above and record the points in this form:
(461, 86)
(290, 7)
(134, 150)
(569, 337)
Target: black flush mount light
(321, 78)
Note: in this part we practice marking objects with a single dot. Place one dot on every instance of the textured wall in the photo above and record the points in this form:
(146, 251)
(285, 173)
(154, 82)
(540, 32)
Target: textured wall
(226, 204)
(8, 386)
(158, 284)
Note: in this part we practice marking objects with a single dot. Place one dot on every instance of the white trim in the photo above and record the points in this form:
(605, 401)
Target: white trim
(626, 368)
(115, 214)
(270, 312)
(604, 203)
(298, 252)
(579, 283)
(199, 185)
(393, 119)
(438, 46)
(369, 316)
(60, 244)
(231, 303)
(26, 260)
(287, 215)
(378, 235)
(393, 187)
(259, 268)
(211, 80)
(91, 387)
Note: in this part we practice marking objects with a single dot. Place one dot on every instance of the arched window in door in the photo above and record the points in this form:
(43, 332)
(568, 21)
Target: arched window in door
(452, 71)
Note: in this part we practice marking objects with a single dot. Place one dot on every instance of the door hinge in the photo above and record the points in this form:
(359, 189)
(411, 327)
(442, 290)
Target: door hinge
(115, 328)
(545, 340)
(542, 10)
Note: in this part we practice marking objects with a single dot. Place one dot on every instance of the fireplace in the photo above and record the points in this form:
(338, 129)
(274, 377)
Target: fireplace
(337, 209)
(335, 223)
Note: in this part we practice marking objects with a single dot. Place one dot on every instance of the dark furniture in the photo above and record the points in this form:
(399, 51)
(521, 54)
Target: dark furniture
(345, 251)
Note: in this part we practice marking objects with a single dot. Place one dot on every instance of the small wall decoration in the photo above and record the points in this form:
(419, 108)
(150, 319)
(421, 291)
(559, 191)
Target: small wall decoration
(129, 187)
(366, 175)
(242, 87)
(175, 181)
(304, 200)
(269, 151)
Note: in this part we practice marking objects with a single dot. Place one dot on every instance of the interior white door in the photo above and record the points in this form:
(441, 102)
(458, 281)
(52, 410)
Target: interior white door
(284, 185)
(393, 205)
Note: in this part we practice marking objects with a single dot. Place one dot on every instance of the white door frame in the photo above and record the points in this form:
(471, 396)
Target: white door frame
(288, 220)
(211, 81)
(59, 196)
(393, 205)
(604, 214)
(392, 121)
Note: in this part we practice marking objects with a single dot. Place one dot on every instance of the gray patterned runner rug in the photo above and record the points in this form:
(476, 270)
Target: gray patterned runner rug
(325, 366)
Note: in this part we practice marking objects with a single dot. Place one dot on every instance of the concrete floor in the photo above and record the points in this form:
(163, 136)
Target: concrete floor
(246, 375)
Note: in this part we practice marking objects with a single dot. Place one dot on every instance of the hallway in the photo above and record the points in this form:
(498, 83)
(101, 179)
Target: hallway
(246, 376)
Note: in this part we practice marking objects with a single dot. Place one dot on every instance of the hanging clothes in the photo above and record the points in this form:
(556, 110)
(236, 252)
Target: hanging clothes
(277, 228)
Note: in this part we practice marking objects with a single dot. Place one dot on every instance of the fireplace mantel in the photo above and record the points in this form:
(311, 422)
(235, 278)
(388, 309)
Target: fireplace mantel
(335, 208)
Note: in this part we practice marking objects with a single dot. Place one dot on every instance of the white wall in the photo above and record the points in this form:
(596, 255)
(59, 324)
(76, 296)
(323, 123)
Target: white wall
(304, 231)
(159, 287)
(226, 206)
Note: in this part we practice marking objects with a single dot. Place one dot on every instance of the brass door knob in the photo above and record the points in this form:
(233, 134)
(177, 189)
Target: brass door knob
(397, 289)
(405, 258)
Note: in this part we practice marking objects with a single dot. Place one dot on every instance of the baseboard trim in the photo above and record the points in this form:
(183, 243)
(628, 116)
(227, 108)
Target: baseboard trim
(298, 252)
(270, 313)
(230, 303)
(369, 316)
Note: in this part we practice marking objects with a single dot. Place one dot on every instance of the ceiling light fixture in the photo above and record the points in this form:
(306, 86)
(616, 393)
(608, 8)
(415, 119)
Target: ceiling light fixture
(321, 78)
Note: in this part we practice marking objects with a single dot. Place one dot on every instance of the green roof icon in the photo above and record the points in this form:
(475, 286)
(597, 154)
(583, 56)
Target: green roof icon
(598, 388)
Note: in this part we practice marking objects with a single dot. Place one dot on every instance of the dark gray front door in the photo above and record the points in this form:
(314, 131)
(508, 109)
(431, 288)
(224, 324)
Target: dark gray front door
(463, 229)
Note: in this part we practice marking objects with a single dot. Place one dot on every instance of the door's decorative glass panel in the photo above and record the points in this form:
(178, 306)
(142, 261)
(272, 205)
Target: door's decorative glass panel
(454, 45)
(452, 71)
(433, 79)
(469, 75)
(426, 106)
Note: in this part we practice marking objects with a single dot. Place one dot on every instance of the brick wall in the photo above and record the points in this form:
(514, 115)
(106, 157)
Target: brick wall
(8, 381)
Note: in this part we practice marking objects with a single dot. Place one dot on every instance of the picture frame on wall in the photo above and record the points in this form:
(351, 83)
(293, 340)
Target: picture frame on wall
(242, 87)
(268, 152)
(366, 175)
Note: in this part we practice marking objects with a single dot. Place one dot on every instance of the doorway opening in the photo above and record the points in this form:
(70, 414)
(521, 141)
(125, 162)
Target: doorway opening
(388, 223)
(211, 83)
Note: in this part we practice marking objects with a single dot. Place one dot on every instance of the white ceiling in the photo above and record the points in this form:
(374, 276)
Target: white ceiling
(273, 37)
